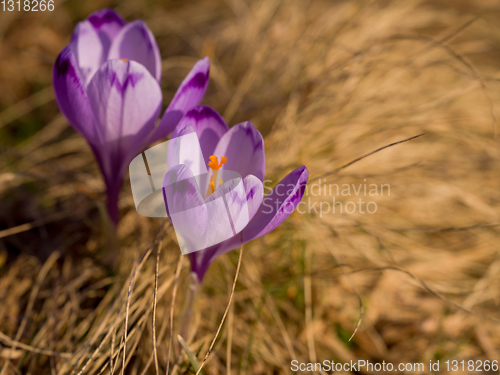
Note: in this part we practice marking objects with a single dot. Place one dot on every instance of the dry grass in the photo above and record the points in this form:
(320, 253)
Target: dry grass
(325, 82)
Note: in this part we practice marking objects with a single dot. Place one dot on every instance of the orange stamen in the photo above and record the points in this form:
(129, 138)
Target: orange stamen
(215, 166)
(212, 184)
(124, 60)
(214, 163)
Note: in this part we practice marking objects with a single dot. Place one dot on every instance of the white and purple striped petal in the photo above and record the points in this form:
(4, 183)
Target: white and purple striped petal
(185, 206)
(136, 42)
(192, 89)
(278, 204)
(188, 95)
(208, 125)
(275, 208)
(71, 95)
(87, 47)
(125, 100)
(244, 148)
(201, 260)
(107, 23)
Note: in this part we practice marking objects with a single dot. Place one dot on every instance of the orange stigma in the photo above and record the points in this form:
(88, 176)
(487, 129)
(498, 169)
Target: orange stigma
(214, 162)
(124, 60)
(215, 166)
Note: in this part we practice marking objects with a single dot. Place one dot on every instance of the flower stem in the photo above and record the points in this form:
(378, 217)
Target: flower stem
(112, 206)
(193, 288)
(111, 253)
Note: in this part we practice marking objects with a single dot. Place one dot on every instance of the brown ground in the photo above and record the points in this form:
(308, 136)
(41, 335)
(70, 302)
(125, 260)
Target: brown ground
(325, 82)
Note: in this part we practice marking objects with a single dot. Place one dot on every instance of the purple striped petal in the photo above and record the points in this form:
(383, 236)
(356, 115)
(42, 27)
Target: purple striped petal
(126, 101)
(208, 125)
(275, 208)
(107, 23)
(192, 89)
(87, 47)
(201, 260)
(278, 205)
(182, 196)
(136, 42)
(244, 148)
(255, 193)
(182, 191)
(243, 201)
(167, 124)
(188, 95)
(71, 95)
(184, 151)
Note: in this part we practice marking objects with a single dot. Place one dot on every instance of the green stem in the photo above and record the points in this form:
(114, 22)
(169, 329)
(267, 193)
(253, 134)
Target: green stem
(193, 288)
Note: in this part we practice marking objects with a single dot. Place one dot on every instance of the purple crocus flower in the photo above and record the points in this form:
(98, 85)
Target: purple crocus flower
(107, 84)
(240, 149)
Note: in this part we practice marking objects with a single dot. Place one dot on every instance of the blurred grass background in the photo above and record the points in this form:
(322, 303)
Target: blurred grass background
(325, 82)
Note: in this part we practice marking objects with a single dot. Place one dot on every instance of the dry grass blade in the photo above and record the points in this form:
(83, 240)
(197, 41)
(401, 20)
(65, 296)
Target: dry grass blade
(140, 318)
(97, 350)
(34, 292)
(431, 290)
(13, 343)
(470, 68)
(308, 316)
(28, 226)
(129, 295)
(136, 271)
(163, 330)
(450, 35)
(112, 363)
(155, 349)
(354, 289)
(284, 332)
(444, 230)
(229, 349)
(27, 105)
(172, 304)
(365, 156)
(225, 311)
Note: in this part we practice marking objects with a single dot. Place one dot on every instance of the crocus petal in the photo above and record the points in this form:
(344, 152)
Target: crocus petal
(185, 149)
(278, 204)
(188, 95)
(185, 206)
(255, 193)
(136, 42)
(87, 47)
(107, 23)
(244, 148)
(201, 260)
(126, 101)
(192, 89)
(181, 196)
(242, 203)
(167, 124)
(208, 125)
(71, 96)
